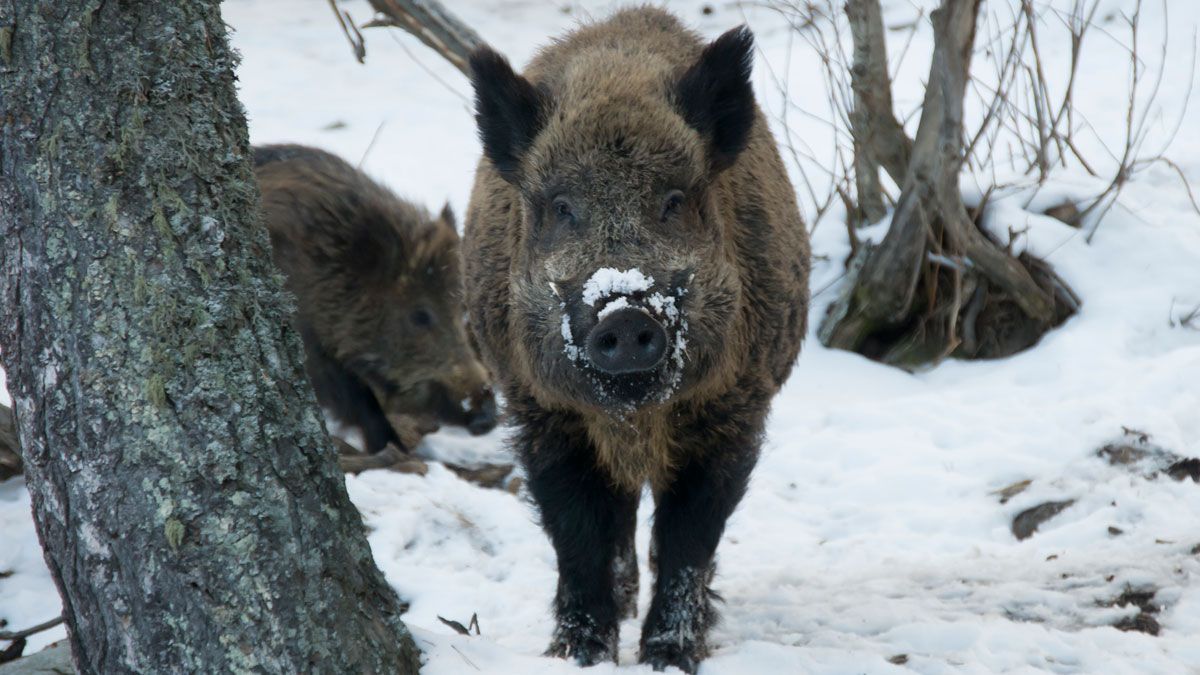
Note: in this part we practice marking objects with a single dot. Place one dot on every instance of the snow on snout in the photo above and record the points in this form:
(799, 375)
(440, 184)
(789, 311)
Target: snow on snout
(619, 302)
(569, 347)
(608, 281)
(661, 307)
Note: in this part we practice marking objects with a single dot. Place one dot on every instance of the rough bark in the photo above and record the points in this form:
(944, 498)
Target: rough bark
(883, 279)
(877, 132)
(870, 207)
(433, 25)
(185, 492)
(954, 23)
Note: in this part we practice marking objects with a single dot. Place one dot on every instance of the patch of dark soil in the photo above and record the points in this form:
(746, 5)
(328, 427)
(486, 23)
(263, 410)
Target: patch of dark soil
(1133, 447)
(1135, 451)
(1122, 454)
(1185, 468)
(14, 651)
(1028, 521)
(1143, 621)
(997, 324)
(1067, 212)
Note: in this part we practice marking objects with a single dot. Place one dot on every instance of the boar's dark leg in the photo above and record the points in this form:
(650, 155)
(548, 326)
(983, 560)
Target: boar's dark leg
(349, 399)
(588, 521)
(368, 416)
(688, 523)
(625, 568)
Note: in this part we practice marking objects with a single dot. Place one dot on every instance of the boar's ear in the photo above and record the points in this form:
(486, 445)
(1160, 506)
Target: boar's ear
(370, 254)
(446, 217)
(508, 110)
(715, 97)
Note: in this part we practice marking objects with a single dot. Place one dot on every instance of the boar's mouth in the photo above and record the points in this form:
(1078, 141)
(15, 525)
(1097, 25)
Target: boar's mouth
(432, 401)
(476, 412)
(626, 393)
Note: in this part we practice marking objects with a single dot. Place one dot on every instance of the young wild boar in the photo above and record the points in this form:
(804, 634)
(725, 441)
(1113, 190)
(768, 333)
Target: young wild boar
(379, 301)
(636, 274)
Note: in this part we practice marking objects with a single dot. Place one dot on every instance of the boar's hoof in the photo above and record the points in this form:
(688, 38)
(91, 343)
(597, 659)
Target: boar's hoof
(584, 642)
(627, 341)
(663, 651)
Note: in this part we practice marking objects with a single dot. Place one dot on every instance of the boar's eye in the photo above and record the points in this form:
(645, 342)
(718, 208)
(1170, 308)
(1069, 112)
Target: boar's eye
(562, 210)
(421, 318)
(672, 204)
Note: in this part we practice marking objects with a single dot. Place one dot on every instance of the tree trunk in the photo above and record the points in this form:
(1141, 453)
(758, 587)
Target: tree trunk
(186, 494)
(921, 294)
(954, 23)
(879, 139)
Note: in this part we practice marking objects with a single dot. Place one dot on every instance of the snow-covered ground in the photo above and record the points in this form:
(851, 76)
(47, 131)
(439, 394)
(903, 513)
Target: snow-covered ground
(871, 530)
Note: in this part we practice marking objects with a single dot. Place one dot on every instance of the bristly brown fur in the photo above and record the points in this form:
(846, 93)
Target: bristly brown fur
(606, 78)
(361, 261)
(630, 144)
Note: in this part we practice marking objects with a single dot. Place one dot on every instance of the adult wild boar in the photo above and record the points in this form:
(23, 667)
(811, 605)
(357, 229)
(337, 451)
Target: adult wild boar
(379, 301)
(636, 274)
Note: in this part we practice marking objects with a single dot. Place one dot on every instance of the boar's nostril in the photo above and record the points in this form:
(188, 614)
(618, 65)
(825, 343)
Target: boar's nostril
(627, 341)
(607, 342)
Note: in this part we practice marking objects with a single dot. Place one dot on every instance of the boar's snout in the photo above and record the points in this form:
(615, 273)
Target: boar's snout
(460, 396)
(482, 416)
(627, 341)
(467, 399)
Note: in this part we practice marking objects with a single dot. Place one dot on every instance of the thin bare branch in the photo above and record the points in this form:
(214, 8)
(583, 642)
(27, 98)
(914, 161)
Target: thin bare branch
(350, 31)
(876, 129)
(32, 630)
(432, 24)
(1182, 179)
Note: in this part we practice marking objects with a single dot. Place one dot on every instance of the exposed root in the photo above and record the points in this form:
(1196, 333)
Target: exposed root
(955, 311)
